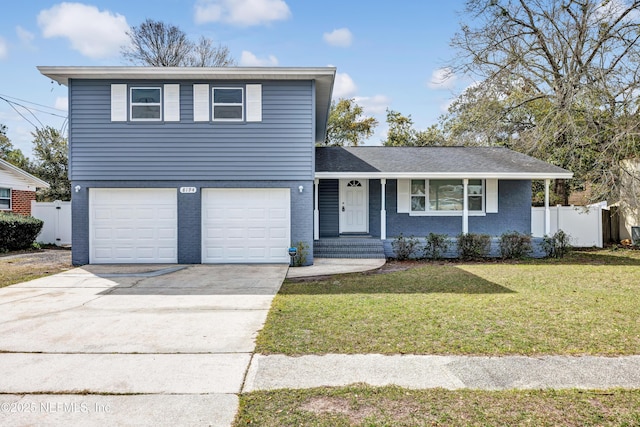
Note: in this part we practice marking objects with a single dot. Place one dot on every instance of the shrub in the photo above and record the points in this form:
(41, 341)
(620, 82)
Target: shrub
(515, 245)
(17, 231)
(301, 255)
(436, 246)
(473, 246)
(404, 247)
(556, 246)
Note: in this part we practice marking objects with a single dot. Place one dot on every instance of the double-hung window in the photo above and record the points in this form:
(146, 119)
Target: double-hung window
(228, 104)
(445, 195)
(5, 198)
(146, 103)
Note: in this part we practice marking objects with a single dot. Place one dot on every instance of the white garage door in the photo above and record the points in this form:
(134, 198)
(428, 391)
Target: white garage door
(133, 225)
(246, 225)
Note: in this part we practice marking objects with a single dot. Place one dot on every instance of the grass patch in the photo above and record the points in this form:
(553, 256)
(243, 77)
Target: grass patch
(587, 303)
(29, 266)
(395, 406)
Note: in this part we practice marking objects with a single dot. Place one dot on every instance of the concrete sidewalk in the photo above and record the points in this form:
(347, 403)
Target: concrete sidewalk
(450, 372)
(329, 266)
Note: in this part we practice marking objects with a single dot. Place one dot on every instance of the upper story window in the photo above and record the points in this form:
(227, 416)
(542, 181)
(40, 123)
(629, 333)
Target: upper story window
(228, 103)
(434, 195)
(146, 103)
(5, 198)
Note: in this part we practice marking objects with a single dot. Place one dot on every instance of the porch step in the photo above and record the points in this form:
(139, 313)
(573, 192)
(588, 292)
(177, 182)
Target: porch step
(349, 247)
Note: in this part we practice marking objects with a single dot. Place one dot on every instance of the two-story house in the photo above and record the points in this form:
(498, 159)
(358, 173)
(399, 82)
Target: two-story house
(218, 165)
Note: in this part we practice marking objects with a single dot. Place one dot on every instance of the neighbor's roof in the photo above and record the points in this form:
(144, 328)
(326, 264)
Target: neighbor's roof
(432, 162)
(22, 175)
(323, 77)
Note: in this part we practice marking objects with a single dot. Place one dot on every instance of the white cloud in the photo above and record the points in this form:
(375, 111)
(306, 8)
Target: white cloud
(26, 37)
(94, 33)
(62, 103)
(248, 59)
(341, 37)
(442, 78)
(344, 86)
(4, 48)
(373, 105)
(243, 13)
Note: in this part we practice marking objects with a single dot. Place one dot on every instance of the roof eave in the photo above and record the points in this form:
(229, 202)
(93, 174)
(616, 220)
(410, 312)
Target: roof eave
(443, 175)
(35, 181)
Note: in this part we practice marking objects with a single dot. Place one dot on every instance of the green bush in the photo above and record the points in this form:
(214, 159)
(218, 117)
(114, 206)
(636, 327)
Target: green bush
(436, 246)
(556, 246)
(473, 246)
(404, 247)
(17, 231)
(301, 255)
(514, 245)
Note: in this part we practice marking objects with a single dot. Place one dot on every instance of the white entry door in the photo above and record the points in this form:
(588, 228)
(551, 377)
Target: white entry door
(354, 206)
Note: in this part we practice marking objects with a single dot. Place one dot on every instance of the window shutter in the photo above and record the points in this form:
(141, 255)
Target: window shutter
(118, 103)
(201, 103)
(491, 191)
(404, 195)
(172, 103)
(254, 103)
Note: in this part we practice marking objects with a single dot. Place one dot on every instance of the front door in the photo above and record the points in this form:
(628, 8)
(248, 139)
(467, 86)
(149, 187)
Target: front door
(354, 206)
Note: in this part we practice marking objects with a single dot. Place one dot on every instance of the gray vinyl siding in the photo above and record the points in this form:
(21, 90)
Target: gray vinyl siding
(281, 147)
(514, 214)
(189, 213)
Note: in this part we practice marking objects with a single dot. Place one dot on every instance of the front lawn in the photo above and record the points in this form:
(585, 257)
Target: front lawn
(32, 265)
(395, 406)
(588, 303)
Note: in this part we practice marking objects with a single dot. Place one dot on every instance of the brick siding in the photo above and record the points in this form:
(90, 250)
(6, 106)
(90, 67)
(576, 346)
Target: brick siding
(21, 201)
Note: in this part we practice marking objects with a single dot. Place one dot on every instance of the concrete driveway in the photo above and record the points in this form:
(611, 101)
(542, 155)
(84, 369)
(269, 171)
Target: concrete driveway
(161, 345)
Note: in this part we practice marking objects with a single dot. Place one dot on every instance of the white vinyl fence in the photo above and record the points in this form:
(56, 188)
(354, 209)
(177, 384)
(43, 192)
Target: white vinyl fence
(583, 224)
(57, 221)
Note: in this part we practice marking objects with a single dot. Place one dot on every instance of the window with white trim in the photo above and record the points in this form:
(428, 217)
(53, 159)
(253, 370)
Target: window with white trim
(5, 198)
(445, 195)
(228, 104)
(145, 103)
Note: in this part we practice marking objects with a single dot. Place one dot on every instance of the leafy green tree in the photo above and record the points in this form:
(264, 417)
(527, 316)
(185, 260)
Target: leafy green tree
(347, 125)
(51, 164)
(401, 132)
(558, 79)
(11, 154)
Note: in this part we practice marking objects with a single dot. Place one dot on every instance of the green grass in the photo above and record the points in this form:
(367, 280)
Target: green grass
(394, 406)
(588, 303)
(28, 267)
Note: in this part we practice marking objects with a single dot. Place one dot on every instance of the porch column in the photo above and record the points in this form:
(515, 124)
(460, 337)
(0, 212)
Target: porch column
(316, 211)
(465, 206)
(547, 211)
(383, 209)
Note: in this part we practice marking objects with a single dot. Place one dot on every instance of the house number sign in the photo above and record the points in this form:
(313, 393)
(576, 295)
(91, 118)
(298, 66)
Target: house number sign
(187, 190)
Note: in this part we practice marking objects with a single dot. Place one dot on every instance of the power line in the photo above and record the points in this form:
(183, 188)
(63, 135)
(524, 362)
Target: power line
(31, 109)
(31, 102)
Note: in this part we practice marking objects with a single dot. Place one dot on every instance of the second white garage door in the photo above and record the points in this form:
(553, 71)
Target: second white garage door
(246, 225)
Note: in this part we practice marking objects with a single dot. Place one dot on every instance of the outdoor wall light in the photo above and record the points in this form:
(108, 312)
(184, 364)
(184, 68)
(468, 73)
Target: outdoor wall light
(300, 188)
(77, 188)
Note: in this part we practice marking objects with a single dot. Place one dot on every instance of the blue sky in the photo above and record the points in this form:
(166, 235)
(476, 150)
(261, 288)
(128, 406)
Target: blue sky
(388, 54)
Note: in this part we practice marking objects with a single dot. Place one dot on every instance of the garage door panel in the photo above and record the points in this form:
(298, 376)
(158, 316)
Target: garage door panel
(246, 225)
(133, 225)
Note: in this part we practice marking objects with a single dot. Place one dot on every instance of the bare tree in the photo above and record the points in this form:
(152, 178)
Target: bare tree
(157, 44)
(557, 79)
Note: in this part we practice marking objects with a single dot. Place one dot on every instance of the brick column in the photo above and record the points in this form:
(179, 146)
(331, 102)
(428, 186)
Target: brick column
(21, 201)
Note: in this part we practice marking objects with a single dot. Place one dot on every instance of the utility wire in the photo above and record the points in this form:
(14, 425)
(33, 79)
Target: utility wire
(2, 97)
(31, 102)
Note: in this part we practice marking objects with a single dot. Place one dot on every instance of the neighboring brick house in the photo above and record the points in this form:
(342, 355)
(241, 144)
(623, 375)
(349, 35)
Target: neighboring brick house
(17, 189)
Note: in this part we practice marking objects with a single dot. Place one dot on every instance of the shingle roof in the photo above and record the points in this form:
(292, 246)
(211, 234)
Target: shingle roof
(437, 161)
